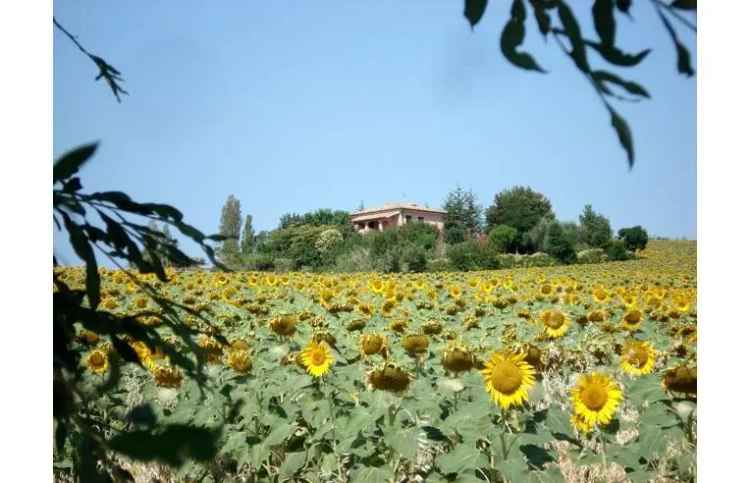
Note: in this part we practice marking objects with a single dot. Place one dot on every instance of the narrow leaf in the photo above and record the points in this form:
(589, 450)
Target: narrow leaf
(83, 249)
(473, 11)
(512, 37)
(683, 54)
(630, 86)
(624, 6)
(615, 56)
(604, 20)
(623, 134)
(71, 162)
(685, 4)
(570, 24)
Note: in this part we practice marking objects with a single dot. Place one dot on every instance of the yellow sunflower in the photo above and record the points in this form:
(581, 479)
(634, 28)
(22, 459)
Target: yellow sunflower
(317, 358)
(97, 361)
(580, 423)
(556, 323)
(638, 358)
(508, 378)
(632, 320)
(595, 398)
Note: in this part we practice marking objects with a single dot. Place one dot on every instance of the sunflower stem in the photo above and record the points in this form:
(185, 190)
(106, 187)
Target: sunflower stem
(604, 451)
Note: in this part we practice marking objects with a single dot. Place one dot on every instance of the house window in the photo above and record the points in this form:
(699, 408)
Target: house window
(408, 218)
(420, 219)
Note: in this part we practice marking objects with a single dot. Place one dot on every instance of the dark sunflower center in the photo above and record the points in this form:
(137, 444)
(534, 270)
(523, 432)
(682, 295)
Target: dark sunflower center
(633, 317)
(555, 320)
(506, 377)
(318, 357)
(97, 360)
(594, 397)
(638, 357)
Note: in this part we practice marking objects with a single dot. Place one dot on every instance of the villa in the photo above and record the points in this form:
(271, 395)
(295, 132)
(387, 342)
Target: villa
(396, 214)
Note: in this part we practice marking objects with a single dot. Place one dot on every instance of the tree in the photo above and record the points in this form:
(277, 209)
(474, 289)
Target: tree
(518, 207)
(464, 213)
(595, 229)
(230, 228)
(502, 238)
(248, 236)
(328, 240)
(289, 219)
(635, 238)
(558, 245)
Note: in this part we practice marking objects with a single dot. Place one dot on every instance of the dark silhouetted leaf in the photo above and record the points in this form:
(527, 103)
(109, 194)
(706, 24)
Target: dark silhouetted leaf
(615, 56)
(513, 35)
(164, 211)
(71, 162)
(573, 31)
(604, 21)
(473, 11)
(125, 351)
(542, 17)
(623, 134)
(602, 76)
(72, 185)
(683, 54)
(61, 433)
(172, 445)
(84, 251)
(624, 6)
(685, 4)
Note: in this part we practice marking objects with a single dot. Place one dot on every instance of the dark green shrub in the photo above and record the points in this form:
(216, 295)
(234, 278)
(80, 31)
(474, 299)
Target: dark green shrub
(455, 235)
(558, 245)
(471, 255)
(414, 259)
(618, 251)
(502, 238)
(635, 238)
(439, 265)
(593, 255)
(259, 262)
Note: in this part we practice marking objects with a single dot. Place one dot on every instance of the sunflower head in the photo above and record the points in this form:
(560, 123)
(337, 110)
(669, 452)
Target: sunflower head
(284, 325)
(239, 360)
(457, 358)
(97, 361)
(637, 358)
(370, 344)
(508, 378)
(556, 323)
(432, 327)
(165, 375)
(632, 320)
(390, 377)
(580, 423)
(356, 324)
(533, 356)
(595, 398)
(399, 325)
(415, 344)
(317, 358)
(681, 379)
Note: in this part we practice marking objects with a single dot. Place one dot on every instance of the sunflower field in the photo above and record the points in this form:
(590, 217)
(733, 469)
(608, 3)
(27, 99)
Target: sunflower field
(567, 373)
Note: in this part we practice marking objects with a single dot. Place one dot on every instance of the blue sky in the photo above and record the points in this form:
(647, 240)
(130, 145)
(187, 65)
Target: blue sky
(294, 106)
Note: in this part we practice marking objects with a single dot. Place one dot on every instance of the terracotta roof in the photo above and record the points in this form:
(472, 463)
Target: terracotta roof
(363, 216)
(398, 206)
